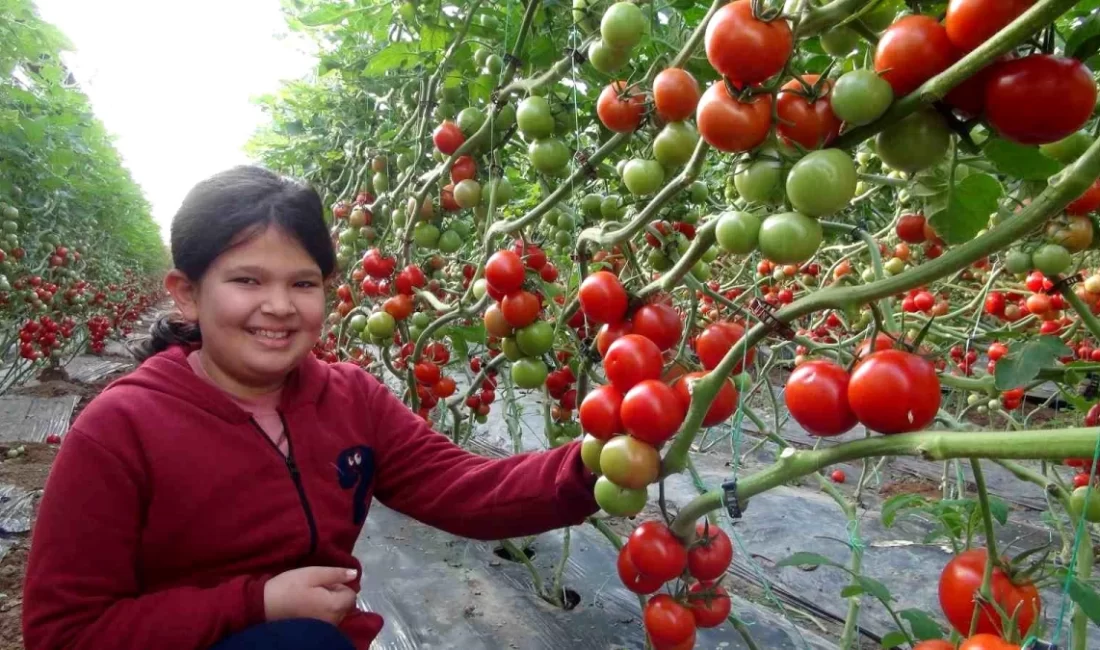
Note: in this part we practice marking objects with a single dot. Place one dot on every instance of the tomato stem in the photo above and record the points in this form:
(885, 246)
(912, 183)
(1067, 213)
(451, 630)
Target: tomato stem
(992, 558)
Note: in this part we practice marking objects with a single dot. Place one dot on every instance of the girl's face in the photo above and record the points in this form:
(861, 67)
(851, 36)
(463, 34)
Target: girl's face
(260, 307)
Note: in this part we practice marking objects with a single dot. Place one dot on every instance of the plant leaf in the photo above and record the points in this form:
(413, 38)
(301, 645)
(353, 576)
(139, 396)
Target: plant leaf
(998, 508)
(875, 588)
(1019, 161)
(924, 626)
(895, 504)
(972, 201)
(1086, 598)
(1084, 39)
(1026, 358)
(807, 559)
(852, 590)
(894, 639)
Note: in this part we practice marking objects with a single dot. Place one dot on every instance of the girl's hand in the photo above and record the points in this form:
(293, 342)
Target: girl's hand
(310, 592)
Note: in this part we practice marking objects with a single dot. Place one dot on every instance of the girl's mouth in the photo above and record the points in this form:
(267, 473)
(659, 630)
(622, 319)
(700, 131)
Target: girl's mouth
(271, 338)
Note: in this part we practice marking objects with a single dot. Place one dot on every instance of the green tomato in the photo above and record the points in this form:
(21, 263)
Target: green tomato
(565, 222)
(1068, 149)
(698, 193)
(480, 55)
(502, 188)
(701, 271)
(536, 339)
(710, 254)
(618, 501)
(658, 261)
(893, 266)
(607, 59)
(494, 65)
(467, 193)
(381, 324)
(1086, 502)
(1051, 259)
(860, 97)
(415, 333)
(691, 217)
(549, 156)
(504, 119)
(535, 118)
(529, 373)
(631, 463)
(449, 242)
(563, 238)
(425, 235)
(758, 181)
(789, 237)
(591, 446)
(590, 205)
(822, 183)
(915, 143)
(480, 287)
(11, 226)
(643, 177)
(470, 120)
(868, 275)
(622, 25)
(511, 349)
(1018, 261)
(612, 207)
(348, 235)
(674, 145)
(840, 41)
(421, 319)
(737, 232)
(358, 322)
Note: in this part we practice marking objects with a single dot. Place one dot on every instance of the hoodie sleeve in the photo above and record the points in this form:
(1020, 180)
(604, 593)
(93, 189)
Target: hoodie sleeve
(421, 473)
(82, 590)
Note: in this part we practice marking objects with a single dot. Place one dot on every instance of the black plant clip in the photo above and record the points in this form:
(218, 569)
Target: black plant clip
(1066, 282)
(763, 311)
(512, 59)
(733, 506)
(1092, 389)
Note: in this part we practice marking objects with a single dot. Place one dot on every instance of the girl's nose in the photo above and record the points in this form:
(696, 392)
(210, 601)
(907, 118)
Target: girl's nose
(277, 302)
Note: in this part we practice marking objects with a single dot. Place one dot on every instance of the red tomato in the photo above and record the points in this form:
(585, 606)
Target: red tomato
(445, 387)
(630, 360)
(600, 412)
(970, 23)
(817, 397)
(667, 622)
(652, 412)
(744, 48)
(934, 644)
(730, 125)
(520, 308)
(959, 583)
(723, 406)
(717, 340)
(464, 168)
(811, 125)
(675, 94)
(838, 476)
(986, 642)
(620, 109)
(399, 306)
(656, 552)
(911, 51)
(910, 228)
(603, 298)
(448, 137)
(1087, 202)
(504, 272)
(1039, 99)
(894, 391)
(659, 323)
(968, 97)
(631, 578)
(1080, 479)
(710, 604)
(996, 351)
(711, 554)
(611, 332)
(995, 303)
(533, 256)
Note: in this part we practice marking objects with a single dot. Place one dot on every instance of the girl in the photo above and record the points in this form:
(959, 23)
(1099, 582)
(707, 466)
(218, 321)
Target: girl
(212, 497)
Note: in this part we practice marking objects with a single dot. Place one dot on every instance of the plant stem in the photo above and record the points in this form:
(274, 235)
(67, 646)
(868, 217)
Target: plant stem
(990, 542)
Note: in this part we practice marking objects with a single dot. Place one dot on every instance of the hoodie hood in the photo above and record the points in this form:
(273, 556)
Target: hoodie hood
(168, 372)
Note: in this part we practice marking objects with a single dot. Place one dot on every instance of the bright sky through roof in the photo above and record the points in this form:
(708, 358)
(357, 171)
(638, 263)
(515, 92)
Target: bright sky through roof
(173, 81)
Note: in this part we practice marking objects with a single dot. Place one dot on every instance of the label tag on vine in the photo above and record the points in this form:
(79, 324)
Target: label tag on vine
(1067, 282)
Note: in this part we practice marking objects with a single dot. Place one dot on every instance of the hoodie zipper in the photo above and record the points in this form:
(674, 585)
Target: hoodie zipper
(295, 475)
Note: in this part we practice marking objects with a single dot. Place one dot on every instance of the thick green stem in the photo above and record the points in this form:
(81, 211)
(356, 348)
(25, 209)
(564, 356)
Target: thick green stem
(990, 541)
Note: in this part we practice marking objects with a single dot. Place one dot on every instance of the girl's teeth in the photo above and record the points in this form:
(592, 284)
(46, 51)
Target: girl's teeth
(270, 334)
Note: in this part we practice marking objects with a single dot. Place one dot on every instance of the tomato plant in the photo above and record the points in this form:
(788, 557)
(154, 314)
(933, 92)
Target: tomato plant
(960, 580)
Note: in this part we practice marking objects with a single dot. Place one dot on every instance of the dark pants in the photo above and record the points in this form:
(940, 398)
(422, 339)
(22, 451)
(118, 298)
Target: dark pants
(289, 634)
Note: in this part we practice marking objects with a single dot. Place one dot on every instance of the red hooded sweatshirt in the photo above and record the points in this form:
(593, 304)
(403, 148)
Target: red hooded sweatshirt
(168, 508)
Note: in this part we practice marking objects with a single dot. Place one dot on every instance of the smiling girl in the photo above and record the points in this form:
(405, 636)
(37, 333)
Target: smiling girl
(212, 497)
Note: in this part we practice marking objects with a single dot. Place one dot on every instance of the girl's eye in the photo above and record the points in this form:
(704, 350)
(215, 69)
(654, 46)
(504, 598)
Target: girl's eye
(305, 284)
(245, 280)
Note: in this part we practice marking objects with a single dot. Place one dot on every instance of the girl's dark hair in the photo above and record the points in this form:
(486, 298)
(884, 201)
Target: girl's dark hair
(215, 213)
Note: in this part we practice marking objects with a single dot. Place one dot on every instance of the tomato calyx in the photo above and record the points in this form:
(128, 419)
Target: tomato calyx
(764, 13)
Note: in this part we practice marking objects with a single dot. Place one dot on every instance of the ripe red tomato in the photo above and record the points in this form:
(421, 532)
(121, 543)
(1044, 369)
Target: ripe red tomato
(448, 137)
(603, 298)
(986, 642)
(710, 604)
(911, 51)
(1039, 99)
(464, 168)
(426, 372)
(727, 123)
(838, 476)
(533, 256)
(659, 323)
(445, 387)
(1080, 479)
(1087, 202)
(632, 579)
(667, 622)
(652, 412)
(717, 340)
(611, 332)
(995, 303)
(959, 583)
(600, 412)
(744, 48)
(811, 125)
(675, 94)
(996, 351)
(910, 228)
(712, 556)
(934, 644)
(632, 359)
(894, 391)
(520, 308)
(656, 552)
(723, 406)
(399, 306)
(970, 23)
(619, 108)
(817, 397)
(504, 272)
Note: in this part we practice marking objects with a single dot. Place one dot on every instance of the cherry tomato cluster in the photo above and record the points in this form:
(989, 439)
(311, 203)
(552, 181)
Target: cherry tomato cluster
(99, 328)
(45, 333)
(480, 401)
(654, 556)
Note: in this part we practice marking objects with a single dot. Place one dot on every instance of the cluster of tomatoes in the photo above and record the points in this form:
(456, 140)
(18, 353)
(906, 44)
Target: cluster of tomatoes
(479, 402)
(45, 333)
(431, 384)
(560, 384)
(99, 327)
(654, 556)
(1015, 595)
(1046, 304)
(888, 391)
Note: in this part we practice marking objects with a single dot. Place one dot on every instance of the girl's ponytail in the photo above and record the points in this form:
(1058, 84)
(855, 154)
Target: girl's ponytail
(168, 330)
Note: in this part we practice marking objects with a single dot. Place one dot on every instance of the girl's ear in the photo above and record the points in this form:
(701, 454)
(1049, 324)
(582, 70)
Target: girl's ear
(184, 292)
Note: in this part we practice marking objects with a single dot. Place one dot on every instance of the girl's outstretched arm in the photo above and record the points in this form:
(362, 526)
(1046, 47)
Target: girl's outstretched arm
(82, 591)
(423, 474)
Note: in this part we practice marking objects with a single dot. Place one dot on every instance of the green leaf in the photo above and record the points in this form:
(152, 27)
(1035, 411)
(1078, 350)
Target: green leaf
(1026, 358)
(852, 590)
(807, 559)
(895, 504)
(1084, 39)
(924, 627)
(1076, 401)
(390, 57)
(894, 639)
(971, 202)
(1086, 598)
(875, 588)
(1019, 161)
(433, 38)
(328, 15)
(998, 508)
